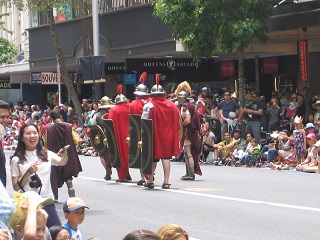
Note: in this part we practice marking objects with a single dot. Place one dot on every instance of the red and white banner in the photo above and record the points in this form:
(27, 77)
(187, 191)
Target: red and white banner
(270, 65)
(227, 69)
(303, 60)
(50, 78)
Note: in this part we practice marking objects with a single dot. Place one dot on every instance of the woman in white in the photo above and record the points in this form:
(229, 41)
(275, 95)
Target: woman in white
(31, 159)
(310, 161)
(316, 116)
(313, 166)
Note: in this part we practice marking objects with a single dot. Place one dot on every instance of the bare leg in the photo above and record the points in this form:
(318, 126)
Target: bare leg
(313, 169)
(216, 153)
(166, 170)
(226, 154)
(154, 166)
(105, 161)
(300, 158)
(142, 180)
(142, 175)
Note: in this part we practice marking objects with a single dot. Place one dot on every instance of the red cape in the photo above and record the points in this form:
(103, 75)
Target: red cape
(165, 116)
(136, 106)
(120, 116)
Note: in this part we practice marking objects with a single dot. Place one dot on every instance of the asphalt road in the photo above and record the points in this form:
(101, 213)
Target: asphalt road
(224, 203)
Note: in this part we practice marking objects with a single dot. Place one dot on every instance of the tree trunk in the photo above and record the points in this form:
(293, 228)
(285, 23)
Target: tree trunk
(64, 71)
(241, 78)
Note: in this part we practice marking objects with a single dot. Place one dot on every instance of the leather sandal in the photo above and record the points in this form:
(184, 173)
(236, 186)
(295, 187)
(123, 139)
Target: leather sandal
(183, 177)
(166, 186)
(122, 180)
(149, 185)
(187, 177)
(141, 183)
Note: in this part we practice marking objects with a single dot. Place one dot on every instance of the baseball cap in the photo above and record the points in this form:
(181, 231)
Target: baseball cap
(204, 89)
(79, 129)
(311, 136)
(309, 125)
(237, 130)
(21, 206)
(73, 204)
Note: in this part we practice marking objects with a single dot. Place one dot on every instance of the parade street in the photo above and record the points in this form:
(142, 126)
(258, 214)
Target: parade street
(225, 203)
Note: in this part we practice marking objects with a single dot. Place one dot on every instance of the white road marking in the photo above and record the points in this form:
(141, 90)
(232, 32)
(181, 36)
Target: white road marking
(274, 204)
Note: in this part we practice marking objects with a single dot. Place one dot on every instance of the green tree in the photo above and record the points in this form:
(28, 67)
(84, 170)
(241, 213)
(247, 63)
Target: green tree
(2, 23)
(46, 7)
(206, 26)
(7, 51)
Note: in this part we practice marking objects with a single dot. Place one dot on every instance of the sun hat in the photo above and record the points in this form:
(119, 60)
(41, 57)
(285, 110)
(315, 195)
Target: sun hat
(317, 144)
(21, 202)
(317, 103)
(73, 204)
(298, 119)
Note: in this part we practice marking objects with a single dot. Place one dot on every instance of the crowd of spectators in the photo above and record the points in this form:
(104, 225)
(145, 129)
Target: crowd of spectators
(218, 113)
(25, 113)
(281, 133)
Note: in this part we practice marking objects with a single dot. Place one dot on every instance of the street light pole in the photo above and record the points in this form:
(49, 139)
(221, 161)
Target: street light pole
(96, 45)
(95, 27)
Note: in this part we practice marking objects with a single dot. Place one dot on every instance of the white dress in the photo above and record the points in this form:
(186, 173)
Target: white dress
(44, 171)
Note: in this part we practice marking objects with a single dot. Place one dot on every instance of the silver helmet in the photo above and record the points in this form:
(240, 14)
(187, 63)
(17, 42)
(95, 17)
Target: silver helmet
(120, 99)
(105, 102)
(183, 94)
(141, 90)
(157, 90)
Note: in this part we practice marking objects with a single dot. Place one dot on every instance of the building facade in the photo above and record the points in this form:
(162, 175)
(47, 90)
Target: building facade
(133, 41)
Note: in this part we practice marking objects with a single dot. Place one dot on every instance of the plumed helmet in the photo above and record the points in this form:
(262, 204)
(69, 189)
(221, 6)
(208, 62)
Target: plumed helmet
(157, 90)
(141, 90)
(120, 98)
(183, 94)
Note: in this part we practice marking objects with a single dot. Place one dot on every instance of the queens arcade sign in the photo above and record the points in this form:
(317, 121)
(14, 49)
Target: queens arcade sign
(166, 65)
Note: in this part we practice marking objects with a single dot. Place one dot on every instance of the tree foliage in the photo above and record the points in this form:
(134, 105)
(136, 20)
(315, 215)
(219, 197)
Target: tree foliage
(3, 24)
(206, 26)
(7, 51)
(215, 25)
(46, 7)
